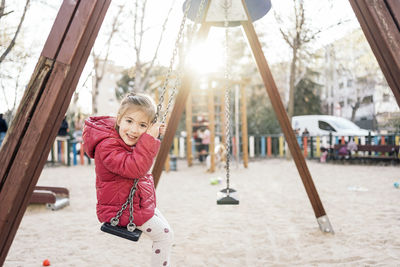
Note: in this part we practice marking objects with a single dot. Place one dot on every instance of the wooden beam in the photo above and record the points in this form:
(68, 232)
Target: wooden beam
(283, 118)
(189, 130)
(379, 21)
(43, 107)
(211, 126)
(245, 137)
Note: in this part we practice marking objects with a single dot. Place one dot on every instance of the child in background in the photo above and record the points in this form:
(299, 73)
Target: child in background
(124, 149)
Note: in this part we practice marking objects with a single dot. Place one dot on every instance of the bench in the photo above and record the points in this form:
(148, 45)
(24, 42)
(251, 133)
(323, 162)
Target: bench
(369, 153)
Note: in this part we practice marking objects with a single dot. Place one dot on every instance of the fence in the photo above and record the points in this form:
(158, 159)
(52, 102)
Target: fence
(67, 152)
(268, 146)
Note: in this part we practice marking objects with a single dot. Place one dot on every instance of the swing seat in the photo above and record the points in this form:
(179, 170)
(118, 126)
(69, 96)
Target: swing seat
(121, 231)
(225, 190)
(227, 199)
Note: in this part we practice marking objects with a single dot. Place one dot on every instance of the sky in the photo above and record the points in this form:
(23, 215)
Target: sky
(37, 27)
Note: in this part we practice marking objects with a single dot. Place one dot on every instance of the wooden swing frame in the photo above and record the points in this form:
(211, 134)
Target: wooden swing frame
(211, 92)
(28, 142)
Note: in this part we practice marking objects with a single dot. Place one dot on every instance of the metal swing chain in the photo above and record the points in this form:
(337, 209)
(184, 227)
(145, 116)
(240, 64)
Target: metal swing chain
(180, 69)
(171, 64)
(115, 220)
(227, 98)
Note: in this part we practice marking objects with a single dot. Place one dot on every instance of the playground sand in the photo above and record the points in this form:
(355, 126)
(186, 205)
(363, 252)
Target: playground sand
(274, 225)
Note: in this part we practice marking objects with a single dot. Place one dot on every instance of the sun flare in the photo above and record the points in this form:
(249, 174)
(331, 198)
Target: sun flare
(207, 57)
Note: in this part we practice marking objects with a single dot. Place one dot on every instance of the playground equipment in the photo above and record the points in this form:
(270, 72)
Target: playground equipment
(55, 198)
(57, 72)
(229, 196)
(130, 231)
(210, 105)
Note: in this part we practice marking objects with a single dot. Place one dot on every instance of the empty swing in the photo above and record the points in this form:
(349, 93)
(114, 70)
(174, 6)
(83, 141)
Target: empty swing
(130, 232)
(229, 195)
(234, 13)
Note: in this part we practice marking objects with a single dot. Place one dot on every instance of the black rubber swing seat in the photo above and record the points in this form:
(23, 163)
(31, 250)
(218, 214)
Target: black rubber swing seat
(121, 231)
(228, 199)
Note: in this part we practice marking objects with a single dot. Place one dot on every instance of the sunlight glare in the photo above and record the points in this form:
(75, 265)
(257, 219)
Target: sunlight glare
(207, 57)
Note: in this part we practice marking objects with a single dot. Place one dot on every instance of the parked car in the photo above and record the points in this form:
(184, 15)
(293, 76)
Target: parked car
(318, 125)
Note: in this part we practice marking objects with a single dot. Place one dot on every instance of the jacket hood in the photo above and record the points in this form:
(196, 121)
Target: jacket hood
(96, 130)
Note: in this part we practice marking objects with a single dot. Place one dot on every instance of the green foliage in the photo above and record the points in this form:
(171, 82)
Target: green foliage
(307, 97)
(261, 118)
(127, 82)
(393, 124)
(124, 85)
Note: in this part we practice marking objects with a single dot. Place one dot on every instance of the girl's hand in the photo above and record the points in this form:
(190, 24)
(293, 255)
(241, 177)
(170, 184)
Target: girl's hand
(156, 129)
(163, 128)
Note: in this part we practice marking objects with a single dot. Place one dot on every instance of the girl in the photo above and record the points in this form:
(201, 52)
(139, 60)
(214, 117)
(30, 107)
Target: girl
(124, 149)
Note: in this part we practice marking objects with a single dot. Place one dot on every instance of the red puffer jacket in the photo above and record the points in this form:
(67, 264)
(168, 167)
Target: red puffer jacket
(117, 164)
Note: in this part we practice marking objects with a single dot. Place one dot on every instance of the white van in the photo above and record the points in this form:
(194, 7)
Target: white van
(318, 125)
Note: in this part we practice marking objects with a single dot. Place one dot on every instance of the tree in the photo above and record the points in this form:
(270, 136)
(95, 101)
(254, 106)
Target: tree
(12, 42)
(99, 64)
(13, 57)
(261, 116)
(139, 75)
(354, 109)
(299, 35)
(307, 96)
(142, 68)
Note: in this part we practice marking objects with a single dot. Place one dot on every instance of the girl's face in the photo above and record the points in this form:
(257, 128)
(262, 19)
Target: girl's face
(132, 125)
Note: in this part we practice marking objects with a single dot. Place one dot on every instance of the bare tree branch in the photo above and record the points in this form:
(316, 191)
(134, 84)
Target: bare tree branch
(2, 7)
(148, 70)
(136, 47)
(99, 71)
(286, 38)
(138, 44)
(4, 93)
(12, 43)
(142, 25)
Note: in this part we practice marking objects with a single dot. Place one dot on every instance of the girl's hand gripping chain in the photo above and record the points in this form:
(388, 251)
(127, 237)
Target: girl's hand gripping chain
(157, 130)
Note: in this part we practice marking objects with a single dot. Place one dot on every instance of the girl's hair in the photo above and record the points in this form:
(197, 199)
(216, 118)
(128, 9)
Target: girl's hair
(135, 101)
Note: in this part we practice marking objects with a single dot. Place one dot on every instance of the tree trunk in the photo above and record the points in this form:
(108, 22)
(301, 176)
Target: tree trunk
(95, 87)
(138, 76)
(95, 94)
(292, 83)
(2, 7)
(354, 110)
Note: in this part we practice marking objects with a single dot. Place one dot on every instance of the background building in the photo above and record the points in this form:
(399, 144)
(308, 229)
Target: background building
(353, 84)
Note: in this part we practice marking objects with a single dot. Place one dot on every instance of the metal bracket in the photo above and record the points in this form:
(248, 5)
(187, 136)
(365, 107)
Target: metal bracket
(325, 225)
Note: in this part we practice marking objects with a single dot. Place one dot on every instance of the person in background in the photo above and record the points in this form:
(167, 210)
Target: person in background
(64, 128)
(305, 133)
(3, 128)
(204, 135)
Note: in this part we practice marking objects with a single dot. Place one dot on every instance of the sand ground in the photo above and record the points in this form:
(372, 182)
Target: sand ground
(274, 225)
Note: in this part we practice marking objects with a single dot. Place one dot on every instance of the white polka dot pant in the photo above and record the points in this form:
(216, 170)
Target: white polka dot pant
(158, 229)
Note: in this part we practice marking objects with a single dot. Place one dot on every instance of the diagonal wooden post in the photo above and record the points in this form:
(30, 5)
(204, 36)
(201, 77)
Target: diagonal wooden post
(42, 109)
(286, 126)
